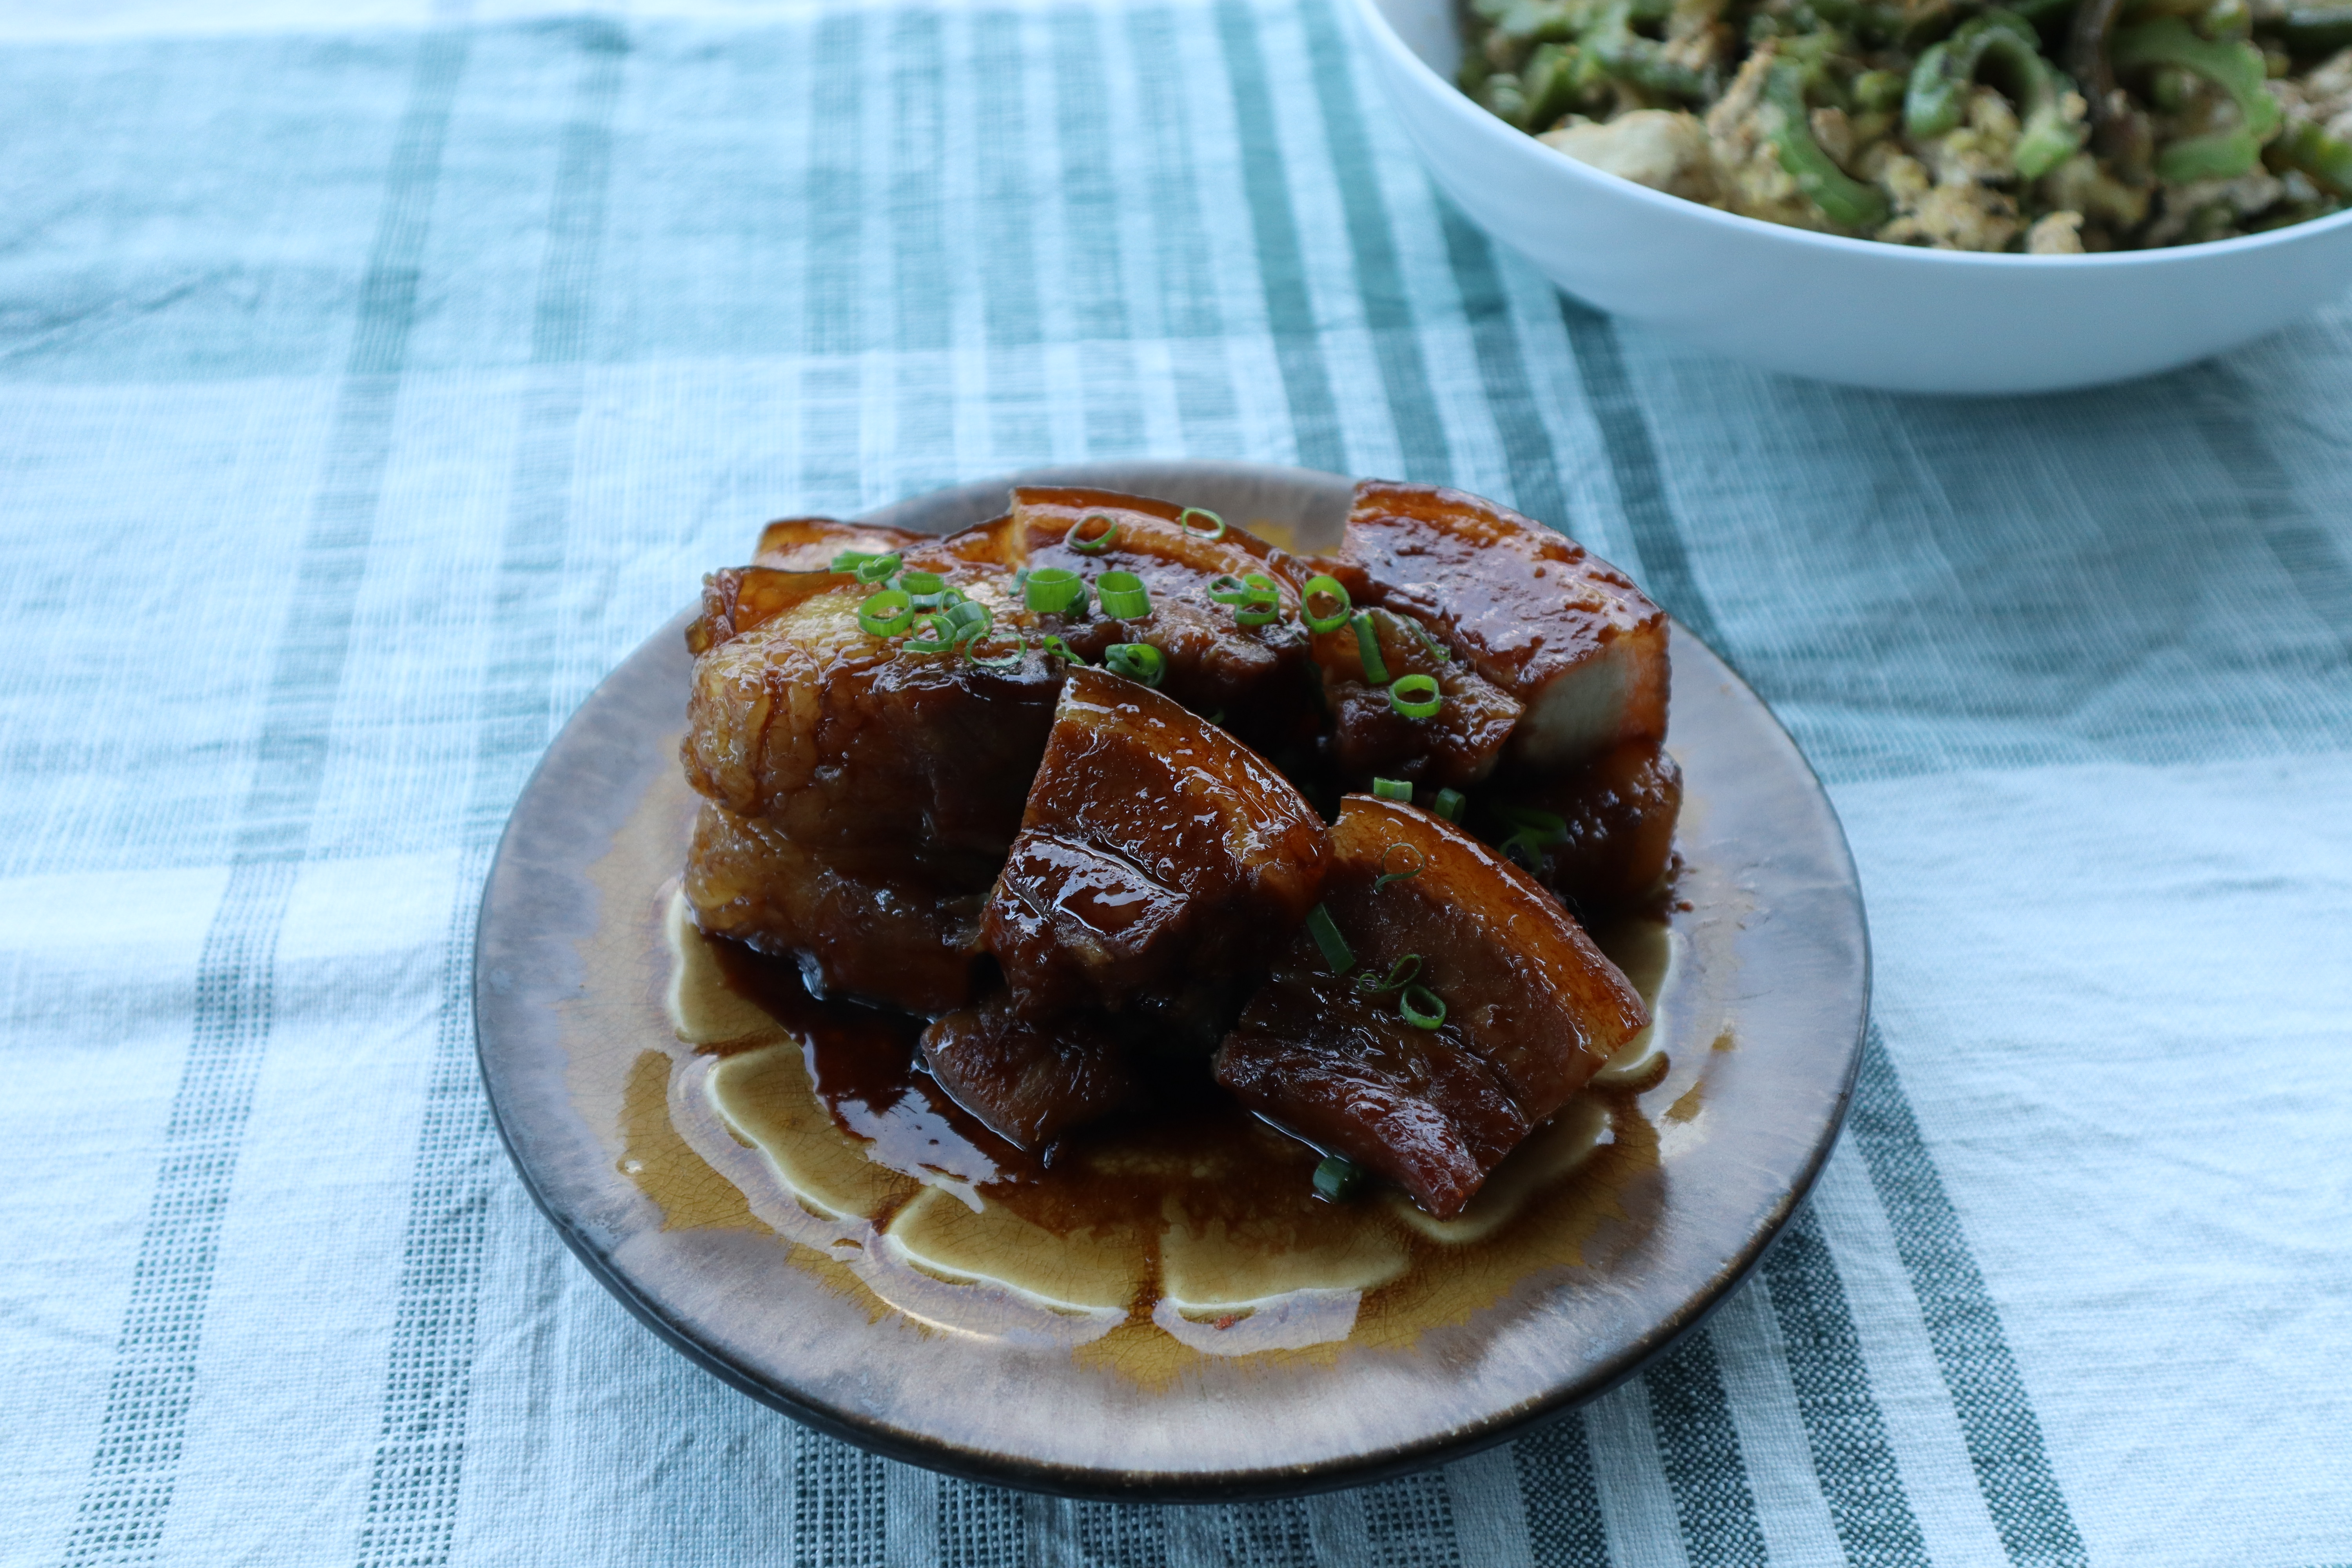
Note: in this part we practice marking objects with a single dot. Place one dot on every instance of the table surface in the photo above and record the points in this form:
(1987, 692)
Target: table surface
(373, 378)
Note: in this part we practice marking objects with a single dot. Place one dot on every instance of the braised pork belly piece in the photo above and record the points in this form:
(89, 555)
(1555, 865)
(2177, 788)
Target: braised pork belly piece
(1257, 679)
(1454, 747)
(1600, 835)
(1030, 1082)
(1561, 632)
(863, 790)
(1435, 926)
(878, 927)
(1158, 857)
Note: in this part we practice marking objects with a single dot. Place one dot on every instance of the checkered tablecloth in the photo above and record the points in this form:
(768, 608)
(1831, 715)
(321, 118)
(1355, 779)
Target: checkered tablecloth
(374, 377)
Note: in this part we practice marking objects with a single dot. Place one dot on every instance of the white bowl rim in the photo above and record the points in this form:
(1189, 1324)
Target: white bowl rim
(1459, 105)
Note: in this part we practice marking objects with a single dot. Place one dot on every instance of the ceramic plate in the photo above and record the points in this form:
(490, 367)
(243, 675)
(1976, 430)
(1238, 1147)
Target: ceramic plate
(1760, 1015)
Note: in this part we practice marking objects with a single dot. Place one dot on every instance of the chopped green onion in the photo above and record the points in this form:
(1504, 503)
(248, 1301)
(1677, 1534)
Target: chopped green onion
(936, 635)
(1368, 646)
(1536, 832)
(1448, 804)
(1136, 661)
(1326, 932)
(1052, 590)
(1229, 590)
(1060, 650)
(1392, 789)
(1416, 696)
(1006, 664)
(1075, 539)
(886, 613)
(1123, 595)
(1421, 1007)
(1436, 649)
(1387, 876)
(851, 560)
(1264, 606)
(923, 588)
(876, 568)
(1327, 588)
(1337, 1179)
(1400, 974)
(1214, 529)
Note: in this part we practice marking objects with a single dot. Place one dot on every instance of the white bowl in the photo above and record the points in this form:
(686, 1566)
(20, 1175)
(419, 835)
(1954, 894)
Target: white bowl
(1842, 310)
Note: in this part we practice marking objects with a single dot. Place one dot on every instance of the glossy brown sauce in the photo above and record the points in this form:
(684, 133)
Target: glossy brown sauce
(1142, 1245)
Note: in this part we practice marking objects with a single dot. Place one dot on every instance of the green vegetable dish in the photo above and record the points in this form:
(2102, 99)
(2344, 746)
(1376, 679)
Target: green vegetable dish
(2055, 126)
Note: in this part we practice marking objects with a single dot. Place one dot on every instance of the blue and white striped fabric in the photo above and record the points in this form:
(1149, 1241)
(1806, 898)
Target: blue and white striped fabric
(373, 378)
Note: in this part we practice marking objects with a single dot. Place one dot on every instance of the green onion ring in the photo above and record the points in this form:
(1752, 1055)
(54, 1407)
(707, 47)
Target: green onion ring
(1057, 649)
(1368, 646)
(1402, 973)
(935, 638)
(1229, 590)
(1216, 529)
(1421, 1007)
(1100, 542)
(851, 560)
(1536, 832)
(1332, 587)
(1264, 605)
(877, 568)
(1123, 595)
(1420, 863)
(1416, 696)
(886, 613)
(1326, 932)
(1008, 663)
(1337, 1179)
(1392, 789)
(1137, 661)
(920, 584)
(1052, 590)
(1449, 803)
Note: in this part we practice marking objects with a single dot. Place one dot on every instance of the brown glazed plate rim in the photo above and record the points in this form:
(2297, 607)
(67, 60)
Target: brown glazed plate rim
(1797, 940)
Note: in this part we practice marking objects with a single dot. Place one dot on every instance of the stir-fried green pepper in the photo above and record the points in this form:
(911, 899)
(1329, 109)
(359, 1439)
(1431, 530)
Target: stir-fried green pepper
(2232, 65)
(1938, 97)
(1844, 199)
(2325, 160)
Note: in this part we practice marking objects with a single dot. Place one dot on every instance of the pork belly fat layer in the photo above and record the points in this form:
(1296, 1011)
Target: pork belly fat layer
(847, 742)
(895, 937)
(1563, 632)
(1156, 852)
(810, 543)
(1260, 678)
(1530, 1002)
(1028, 1083)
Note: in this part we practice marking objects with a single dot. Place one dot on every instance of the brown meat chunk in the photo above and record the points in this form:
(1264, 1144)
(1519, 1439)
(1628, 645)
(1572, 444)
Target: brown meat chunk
(894, 936)
(1156, 852)
(863, 796)
(1340, 1069)
(1533, 1010)
(1616, 831)
(1260, 678)
(848, 741)
(1028, 1082)
(1454, 747)
(1565, 634)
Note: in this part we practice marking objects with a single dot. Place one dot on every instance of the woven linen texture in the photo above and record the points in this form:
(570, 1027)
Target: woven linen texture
(372, 379)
